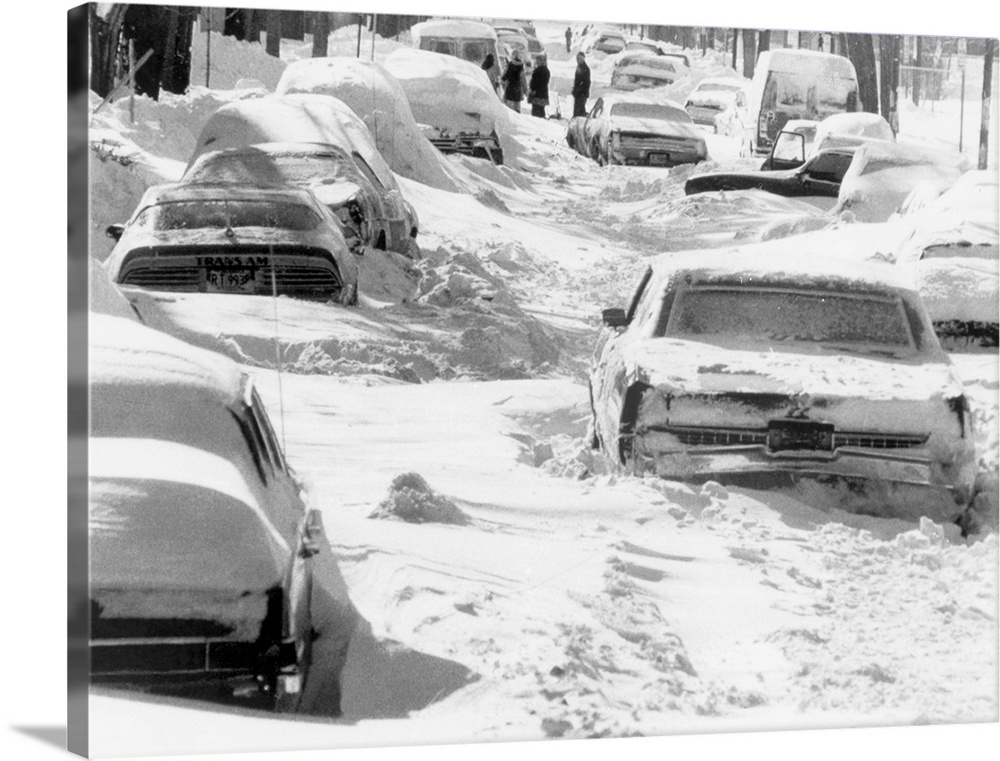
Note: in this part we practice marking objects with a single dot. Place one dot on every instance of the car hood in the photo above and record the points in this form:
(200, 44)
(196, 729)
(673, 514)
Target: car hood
(654, 127)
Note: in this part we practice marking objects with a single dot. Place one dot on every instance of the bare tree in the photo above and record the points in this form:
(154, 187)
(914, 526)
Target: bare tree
(763, 41)
(321, 34)
(861, 51)
(749, 52)
(889, 47)
(105, 36)
(736, 37)
(273, 33)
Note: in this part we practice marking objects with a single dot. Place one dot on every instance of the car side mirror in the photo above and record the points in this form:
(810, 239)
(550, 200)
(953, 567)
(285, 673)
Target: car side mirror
(114, 231)
(614, 317)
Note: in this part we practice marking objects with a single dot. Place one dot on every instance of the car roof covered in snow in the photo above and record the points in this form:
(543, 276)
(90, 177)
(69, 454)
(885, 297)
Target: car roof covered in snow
(122, 352)
(205, 191)
(858, 123)
(767, 265)
(452, 28)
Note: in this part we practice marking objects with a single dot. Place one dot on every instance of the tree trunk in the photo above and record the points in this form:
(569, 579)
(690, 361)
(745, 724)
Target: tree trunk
(736, 38)
(764, 41)
(749, 52)
(917, 61)
(984, 128)
(104, 41)
(273, 33)
(861, 51)
(253, 21)
(889, 45)
(170, 48)
(321, 34)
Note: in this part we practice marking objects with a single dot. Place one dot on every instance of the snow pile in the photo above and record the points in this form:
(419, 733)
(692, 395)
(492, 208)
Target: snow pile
(233, 60)
(411, 499)
(105, 298)
(377, 97)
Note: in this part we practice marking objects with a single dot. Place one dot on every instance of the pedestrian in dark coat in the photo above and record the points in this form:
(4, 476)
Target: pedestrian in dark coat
(581, 86)
(515, 83)
(569, 38)
(489, 66)
(538, 88)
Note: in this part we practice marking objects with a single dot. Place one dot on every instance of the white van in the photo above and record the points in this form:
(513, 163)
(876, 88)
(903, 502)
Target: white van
(469, 40)
(798, 84)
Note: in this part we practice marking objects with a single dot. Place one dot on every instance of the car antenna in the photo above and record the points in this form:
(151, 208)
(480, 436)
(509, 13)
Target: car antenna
(277, 347)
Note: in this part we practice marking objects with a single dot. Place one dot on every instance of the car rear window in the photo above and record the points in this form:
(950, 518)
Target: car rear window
(272, 168)
(650, 111)
(222, 214)
(775, 316)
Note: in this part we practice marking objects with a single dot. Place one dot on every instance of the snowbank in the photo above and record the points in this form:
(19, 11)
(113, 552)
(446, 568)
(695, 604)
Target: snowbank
(232, 60)
(411, 499)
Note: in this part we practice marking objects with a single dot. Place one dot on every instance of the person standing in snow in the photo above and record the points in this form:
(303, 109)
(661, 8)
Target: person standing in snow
(569, 38)
(489, 66)
(581, 85)
(514, 82)
(538, 88)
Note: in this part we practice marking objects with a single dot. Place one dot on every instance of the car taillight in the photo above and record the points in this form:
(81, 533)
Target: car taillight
(960, 406)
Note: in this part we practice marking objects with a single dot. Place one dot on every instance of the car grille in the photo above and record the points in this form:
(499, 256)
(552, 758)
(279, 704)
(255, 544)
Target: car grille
(127, 657)
(303, 272)
(698, 436)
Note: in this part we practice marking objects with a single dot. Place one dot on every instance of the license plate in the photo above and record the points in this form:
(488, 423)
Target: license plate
(241, 280)
(785, 435)
(659, 159)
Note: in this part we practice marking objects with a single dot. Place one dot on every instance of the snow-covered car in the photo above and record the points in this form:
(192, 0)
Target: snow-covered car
(607, 42)
(821, 176)
(953, 255)
(791, 145)
(378, 99)
(634, 71)
(713, 95)
(236, 239)
(883, 174)
(468, 40)
(452, 100)
(315, 118)
(632, 130)
(201, 546)
(371, 215)
(850, 130)
(754, 367)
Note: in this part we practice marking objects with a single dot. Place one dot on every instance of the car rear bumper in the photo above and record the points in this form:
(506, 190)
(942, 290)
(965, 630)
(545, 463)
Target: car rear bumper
(654, 156)
(886, 483)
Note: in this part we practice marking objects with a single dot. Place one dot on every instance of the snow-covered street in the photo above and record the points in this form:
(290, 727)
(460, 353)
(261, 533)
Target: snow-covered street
(554, 597)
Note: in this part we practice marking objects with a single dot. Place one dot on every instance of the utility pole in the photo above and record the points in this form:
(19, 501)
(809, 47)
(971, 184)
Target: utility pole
(984, 129)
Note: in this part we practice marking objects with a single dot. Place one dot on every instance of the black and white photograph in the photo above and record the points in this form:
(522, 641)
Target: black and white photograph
(476, 373)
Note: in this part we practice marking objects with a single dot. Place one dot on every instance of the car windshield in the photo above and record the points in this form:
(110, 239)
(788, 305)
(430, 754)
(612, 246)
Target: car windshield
(800, 95)
(650, 111)
(273, 168)
(721, 86)
(843, 321)
(962, 250)
(224, 213)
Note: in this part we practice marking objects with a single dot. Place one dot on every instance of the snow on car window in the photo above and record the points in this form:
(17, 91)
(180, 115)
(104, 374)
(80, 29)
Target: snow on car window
(271, 168)
(962, 250)
(776, 316)
(208, 213)
(721, 86)
(475, 50)
(650, 111)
